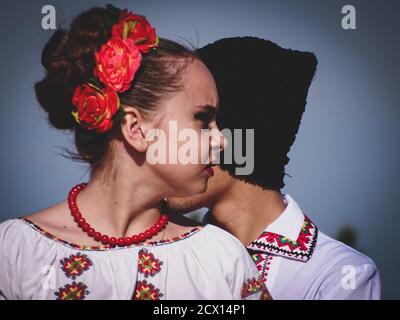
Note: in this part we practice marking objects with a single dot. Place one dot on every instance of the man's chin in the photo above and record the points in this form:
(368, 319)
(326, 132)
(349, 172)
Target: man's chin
(185, 205)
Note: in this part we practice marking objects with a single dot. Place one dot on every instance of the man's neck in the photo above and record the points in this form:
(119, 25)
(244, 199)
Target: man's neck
(246, 210)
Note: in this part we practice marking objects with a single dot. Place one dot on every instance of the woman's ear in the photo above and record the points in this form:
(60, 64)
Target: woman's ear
(131, 129)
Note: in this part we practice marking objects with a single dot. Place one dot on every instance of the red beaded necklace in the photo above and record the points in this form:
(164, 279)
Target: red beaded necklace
(106, 240)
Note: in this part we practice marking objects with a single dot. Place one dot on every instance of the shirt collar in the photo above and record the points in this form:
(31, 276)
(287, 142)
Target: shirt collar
(292, 235)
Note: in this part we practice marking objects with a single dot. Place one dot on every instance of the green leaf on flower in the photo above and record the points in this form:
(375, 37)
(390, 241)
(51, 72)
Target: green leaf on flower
(75, 115)
(96, 82)
(125, 31)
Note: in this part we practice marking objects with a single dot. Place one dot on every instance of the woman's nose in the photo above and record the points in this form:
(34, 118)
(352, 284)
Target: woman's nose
(218, 143)
(222, 142)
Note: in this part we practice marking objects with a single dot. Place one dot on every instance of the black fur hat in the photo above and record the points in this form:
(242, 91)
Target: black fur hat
(264, 87)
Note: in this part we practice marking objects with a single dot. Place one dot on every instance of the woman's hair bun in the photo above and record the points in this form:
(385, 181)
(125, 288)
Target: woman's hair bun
(51, 91)
(68, 58)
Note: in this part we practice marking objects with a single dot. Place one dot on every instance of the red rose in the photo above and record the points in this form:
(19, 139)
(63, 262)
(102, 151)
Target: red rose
(116, 63)
(95, 107)
(137, 28)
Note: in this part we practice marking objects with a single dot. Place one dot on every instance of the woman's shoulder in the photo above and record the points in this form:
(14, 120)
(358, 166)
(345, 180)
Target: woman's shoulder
(14, 225)
(213, 239)
(9, 227)
(235, 261)
(56, 223)
(222, 235)
(180, 224)
(214, 234)
(14, 237)
(18, 231)
(225, 244)
(52, 219)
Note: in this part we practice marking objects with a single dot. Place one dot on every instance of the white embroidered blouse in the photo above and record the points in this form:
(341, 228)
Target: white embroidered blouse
(205, 263)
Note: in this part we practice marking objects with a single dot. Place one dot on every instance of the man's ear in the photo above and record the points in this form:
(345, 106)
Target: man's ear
(131, 129)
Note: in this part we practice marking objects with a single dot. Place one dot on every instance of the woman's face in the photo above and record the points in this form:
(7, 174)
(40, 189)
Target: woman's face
(184, 151)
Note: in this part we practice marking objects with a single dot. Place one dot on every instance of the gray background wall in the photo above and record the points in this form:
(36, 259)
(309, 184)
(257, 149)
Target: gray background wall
(345, 162)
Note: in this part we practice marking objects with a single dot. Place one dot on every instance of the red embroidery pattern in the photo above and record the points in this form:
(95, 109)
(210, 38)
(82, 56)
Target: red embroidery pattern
(146, 291)
(265, 295)
(252, 286)
(75, 265)
(148, 265)
(74, 291)
(301, 249)
(263, 262)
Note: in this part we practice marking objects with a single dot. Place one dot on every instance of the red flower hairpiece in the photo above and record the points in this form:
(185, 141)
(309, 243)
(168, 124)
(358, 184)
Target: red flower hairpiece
(95, 107)
(117, 61)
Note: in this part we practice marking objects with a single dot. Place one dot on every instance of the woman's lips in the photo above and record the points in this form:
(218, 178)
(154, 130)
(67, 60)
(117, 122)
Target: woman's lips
(210, 171)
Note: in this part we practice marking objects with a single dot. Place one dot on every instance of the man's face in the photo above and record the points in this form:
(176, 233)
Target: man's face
(217, 188)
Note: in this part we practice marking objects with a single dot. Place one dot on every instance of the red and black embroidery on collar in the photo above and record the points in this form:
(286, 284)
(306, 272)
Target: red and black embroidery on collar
(300, 249)
(263, 262)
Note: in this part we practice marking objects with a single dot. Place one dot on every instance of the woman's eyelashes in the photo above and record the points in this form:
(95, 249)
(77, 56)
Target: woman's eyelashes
(205, 118)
